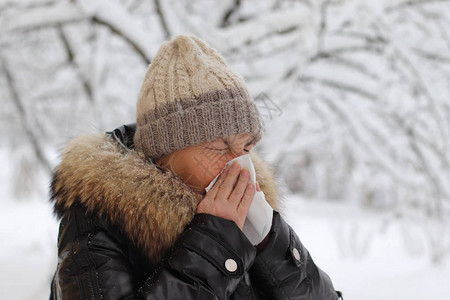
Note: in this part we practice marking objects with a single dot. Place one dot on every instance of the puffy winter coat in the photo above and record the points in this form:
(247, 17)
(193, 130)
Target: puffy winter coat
(129, 231)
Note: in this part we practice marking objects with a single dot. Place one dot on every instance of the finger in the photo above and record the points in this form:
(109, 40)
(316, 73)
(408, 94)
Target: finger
(258, 188)
(205, 205)
(246, 200)
(240, 187)
(226, 187)
(214, 189)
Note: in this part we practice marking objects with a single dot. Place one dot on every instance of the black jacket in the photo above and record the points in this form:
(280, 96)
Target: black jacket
(105, 251)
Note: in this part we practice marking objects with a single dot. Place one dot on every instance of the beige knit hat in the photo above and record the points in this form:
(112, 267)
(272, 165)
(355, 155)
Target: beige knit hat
(189, 95)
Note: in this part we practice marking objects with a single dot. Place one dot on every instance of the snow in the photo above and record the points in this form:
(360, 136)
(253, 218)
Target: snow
(28, 254)
(236, 36)
(387, 271)
(42, 16)
(112, 13)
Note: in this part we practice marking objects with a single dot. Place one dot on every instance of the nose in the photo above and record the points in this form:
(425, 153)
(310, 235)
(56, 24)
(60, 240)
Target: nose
(231, 155)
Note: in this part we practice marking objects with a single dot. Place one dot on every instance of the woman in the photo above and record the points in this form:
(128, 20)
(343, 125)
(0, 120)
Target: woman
(136, 221)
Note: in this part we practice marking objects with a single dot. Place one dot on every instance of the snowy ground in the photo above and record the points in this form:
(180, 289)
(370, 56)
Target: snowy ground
(386, 271)
(376, 268)
(28, 235)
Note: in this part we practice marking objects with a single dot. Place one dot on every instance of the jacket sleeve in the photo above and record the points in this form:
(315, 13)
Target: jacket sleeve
(207, 262)
(284, 268)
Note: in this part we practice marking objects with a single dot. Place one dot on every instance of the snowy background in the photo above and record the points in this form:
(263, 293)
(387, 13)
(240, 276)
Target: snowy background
(355, 96)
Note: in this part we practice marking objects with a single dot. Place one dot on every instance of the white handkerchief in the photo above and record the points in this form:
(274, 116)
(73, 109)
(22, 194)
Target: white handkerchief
(259, 217)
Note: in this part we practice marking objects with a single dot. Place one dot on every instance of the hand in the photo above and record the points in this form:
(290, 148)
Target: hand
(227, 200)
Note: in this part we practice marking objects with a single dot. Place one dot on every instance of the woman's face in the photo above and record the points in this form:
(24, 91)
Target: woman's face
(198, 165)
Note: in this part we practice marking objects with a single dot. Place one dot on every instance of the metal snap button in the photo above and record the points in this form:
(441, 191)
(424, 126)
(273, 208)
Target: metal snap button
(231, 265)
(296, 254)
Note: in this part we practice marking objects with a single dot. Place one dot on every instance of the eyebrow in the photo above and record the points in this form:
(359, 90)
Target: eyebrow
(249, 141)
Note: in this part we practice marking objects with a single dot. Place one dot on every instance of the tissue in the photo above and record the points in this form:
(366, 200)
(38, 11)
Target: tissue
(259, 217)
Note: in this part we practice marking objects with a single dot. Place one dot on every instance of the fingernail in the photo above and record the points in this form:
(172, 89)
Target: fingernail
(235, 166)
(258, 188)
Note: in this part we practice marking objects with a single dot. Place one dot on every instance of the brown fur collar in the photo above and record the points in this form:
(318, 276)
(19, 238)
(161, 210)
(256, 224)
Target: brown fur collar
(151, 207)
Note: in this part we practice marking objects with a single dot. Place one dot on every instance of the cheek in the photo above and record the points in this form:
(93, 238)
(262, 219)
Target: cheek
(205, 167)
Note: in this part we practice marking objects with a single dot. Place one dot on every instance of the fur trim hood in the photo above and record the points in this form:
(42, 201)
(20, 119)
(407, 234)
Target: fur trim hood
(150, 206)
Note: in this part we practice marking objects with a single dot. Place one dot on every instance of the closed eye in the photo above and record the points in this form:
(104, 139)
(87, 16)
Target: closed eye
(217, 149)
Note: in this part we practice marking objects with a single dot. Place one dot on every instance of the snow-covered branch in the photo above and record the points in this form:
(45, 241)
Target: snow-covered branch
(24, 117)
(108, 13)
(42, 16)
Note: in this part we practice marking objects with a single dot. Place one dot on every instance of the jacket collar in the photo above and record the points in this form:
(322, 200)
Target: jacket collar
(124, 135)
(104, 174)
